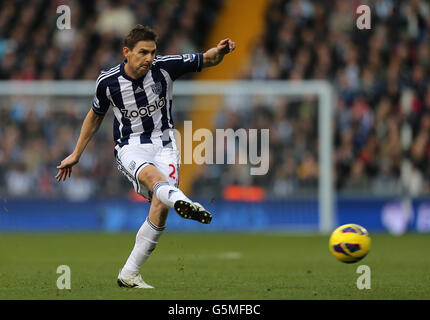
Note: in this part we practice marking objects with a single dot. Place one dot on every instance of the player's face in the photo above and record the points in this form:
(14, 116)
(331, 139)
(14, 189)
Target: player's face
(141, 57)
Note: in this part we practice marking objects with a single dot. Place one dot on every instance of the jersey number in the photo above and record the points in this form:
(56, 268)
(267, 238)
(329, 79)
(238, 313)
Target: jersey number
(171, 175)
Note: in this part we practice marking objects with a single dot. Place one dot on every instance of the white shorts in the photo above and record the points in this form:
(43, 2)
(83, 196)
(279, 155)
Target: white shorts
(131, 159)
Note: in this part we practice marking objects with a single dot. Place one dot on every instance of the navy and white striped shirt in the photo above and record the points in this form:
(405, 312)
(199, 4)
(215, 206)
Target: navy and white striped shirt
(142, 107)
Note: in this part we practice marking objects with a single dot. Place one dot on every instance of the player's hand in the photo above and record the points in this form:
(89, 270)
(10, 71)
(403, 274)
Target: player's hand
(226, 46)
(65, 167)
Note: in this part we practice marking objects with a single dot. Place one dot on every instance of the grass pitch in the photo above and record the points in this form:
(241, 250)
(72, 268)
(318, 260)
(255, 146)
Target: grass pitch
(211, 266)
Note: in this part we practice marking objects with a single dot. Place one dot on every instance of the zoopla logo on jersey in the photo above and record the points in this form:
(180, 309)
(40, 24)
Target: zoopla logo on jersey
(144, 111)
(240, 147)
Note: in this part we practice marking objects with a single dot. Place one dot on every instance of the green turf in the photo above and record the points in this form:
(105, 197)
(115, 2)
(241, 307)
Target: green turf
(212, 266)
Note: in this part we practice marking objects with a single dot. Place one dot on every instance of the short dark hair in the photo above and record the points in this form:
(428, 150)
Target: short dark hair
(139, 33)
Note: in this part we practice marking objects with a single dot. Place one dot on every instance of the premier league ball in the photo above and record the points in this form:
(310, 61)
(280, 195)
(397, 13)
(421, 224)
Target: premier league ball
(349, 243)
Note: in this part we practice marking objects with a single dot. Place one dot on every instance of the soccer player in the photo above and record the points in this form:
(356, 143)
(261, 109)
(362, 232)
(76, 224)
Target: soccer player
(139, 90)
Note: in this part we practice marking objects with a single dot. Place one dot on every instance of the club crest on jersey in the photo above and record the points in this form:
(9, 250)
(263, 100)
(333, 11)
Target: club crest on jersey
(157, 88)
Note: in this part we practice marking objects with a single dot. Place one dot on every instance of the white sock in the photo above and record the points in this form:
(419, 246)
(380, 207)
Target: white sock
(168, 194)
(146, 240)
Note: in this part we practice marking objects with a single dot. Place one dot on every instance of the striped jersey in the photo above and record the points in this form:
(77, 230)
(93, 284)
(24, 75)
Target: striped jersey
(142, 107)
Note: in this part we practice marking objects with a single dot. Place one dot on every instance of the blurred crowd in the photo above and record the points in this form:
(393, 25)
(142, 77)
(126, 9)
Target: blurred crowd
(94, 40)
(380, 76)
(382, 104)
(35, 137)
(35, 134)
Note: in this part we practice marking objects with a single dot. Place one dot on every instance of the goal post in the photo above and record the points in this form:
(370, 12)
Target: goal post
(321, 89)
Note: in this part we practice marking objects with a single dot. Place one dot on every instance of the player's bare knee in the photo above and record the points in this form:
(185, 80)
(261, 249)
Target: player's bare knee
(150, 177)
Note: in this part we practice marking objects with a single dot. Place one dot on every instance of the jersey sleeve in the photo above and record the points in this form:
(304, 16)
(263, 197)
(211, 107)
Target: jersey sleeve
(178, 65)
(101, 102)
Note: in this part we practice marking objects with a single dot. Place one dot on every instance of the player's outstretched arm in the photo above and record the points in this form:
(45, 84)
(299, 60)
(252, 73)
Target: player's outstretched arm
(214, 55)
(90, 126)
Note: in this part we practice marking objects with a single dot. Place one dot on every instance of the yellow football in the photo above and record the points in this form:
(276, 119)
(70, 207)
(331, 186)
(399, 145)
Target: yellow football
(349, 243)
